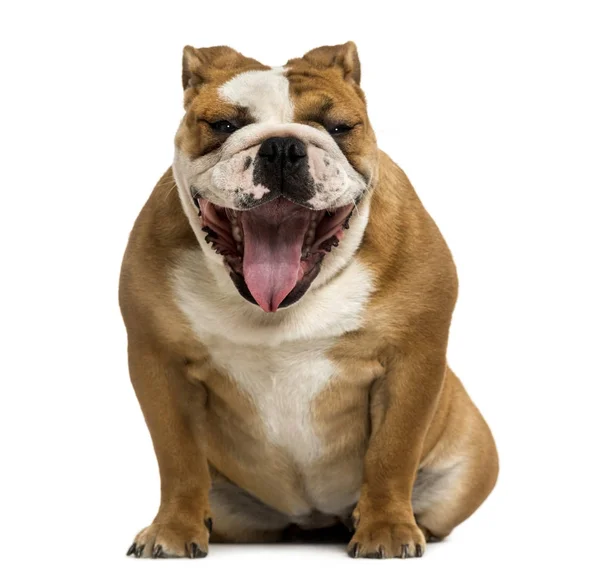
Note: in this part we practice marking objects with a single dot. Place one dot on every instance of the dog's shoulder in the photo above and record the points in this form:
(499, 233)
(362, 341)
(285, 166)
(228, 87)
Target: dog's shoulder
(160, 232)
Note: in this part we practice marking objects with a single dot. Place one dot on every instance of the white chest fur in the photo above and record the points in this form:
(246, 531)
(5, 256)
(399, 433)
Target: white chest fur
(282, 382)
(279, 359)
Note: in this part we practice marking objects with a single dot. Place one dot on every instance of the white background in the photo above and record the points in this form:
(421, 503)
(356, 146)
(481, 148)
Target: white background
(492, 108)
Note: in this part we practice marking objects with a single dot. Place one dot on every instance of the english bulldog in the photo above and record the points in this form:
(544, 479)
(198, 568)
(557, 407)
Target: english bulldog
(287, 301)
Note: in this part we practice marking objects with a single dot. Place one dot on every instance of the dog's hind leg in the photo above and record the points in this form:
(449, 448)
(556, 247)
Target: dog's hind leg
(460, 471)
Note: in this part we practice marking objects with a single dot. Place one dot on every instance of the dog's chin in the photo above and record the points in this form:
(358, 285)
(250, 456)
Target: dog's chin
(273, 251)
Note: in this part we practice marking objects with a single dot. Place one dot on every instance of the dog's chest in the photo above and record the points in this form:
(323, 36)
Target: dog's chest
(282, 365)
(283, 384)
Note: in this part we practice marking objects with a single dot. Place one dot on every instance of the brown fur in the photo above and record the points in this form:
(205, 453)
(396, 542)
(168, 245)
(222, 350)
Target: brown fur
(394, 412)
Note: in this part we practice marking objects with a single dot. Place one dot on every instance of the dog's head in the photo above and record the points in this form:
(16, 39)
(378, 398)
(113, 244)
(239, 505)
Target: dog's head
(271, 164)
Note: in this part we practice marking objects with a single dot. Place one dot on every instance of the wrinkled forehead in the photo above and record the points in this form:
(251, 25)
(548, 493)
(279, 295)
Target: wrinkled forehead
(282, 94)
(263, 94)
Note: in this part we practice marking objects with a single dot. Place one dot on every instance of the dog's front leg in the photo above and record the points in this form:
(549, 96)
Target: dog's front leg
(406, 400)
(182, 525)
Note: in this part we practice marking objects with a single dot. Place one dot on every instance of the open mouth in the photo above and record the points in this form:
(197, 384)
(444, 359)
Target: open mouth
(273, 251)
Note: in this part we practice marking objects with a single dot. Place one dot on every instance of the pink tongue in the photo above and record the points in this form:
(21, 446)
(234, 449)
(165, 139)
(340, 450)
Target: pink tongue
(273, 238)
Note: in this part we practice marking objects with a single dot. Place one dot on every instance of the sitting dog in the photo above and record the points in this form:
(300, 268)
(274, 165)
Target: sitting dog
(287, 301)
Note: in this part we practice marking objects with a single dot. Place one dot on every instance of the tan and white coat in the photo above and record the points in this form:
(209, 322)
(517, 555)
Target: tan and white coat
(339, 408)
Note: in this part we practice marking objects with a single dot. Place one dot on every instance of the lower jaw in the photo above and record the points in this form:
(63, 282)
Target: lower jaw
(292, 297)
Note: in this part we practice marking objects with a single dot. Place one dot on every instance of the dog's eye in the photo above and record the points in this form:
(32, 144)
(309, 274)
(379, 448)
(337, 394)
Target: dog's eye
(339, 129)
(223, 126)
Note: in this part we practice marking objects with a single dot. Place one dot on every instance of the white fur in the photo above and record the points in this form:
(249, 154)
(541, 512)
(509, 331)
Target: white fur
(282, 381)
(265, 93)
(279, 359)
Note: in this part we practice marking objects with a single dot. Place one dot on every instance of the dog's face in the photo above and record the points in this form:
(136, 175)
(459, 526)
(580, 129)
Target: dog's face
(270, 164)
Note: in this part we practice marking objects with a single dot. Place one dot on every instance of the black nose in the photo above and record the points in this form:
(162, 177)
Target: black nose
(288, 151)
(282, 167)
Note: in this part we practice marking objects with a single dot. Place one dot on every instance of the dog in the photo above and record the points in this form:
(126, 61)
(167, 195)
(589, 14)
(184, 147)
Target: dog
(287, 300)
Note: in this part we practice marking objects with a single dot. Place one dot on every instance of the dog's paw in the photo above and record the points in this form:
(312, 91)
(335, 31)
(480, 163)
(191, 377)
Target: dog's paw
(172, 540)
(386, 539)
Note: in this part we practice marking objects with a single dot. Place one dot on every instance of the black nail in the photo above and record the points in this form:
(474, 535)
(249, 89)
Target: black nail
(404, 551)
(196, 552)
(131, 549)
(140, 551)
(208, 523)
(353, 551)
(157, 552)
(193, 549)
(419, 550)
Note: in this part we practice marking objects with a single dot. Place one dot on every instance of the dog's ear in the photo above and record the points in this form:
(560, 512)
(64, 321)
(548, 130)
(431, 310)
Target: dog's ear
(343, 57)
(198, 62)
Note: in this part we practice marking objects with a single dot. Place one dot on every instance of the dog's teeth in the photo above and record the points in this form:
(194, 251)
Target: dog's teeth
(196, 198)
(310, 237)
(237, 233)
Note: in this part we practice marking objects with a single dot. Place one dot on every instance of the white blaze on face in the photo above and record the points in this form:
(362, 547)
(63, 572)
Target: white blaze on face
(264, 93)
